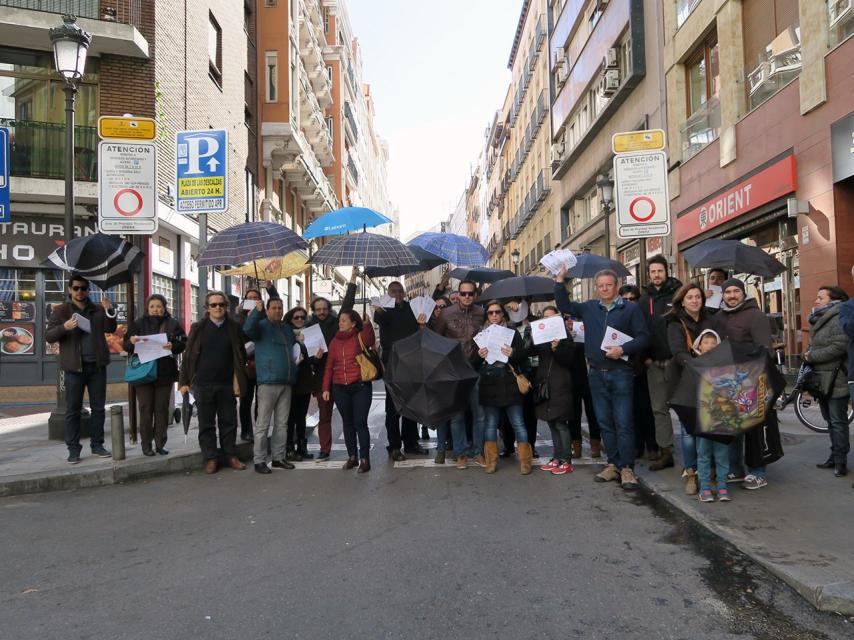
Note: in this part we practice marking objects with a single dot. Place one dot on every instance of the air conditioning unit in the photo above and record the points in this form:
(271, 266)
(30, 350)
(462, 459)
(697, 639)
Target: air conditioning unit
(611, 60)
(561, 75)
(557, 150)
(610, 82)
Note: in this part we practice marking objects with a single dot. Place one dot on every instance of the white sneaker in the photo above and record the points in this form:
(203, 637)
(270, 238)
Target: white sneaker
(754, 482)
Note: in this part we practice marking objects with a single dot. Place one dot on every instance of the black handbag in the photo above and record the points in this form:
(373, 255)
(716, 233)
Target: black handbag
(541, 389)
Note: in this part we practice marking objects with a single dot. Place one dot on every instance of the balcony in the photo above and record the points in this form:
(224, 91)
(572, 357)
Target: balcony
(350, 119)
(352, 171)
(114, 24)
(310, 47)
(840, 15)
(779, 64)
(37, 150)
(701, 129)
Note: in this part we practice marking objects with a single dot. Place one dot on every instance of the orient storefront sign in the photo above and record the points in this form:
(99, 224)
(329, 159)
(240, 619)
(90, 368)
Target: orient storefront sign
(28, 240)
(763, 187)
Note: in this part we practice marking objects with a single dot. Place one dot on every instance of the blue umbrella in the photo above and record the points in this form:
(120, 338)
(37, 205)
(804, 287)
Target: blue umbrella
(364, 250)
(341, 221)
(426, 261)
(248, 242)
(459, 250)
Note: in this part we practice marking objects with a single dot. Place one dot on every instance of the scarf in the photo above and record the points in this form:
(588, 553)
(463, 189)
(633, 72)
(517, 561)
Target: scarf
(818, 313)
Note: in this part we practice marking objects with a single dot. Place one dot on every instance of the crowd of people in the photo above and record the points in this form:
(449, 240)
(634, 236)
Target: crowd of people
(257, 357)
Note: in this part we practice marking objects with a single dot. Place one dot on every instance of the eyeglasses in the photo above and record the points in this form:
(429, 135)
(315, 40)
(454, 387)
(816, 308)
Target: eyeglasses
(300, 317)
(495, 312)
(441, 306)
(79, 288)
(215, 305)
(466, 294)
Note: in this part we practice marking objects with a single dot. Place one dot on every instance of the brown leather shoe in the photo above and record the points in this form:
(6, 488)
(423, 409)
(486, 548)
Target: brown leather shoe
(234, 463)
(211, 466)
(576, 449)
(595, 448)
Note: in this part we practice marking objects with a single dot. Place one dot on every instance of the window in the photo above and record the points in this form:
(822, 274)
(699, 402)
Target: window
(840, 14)
(703, 106)
(326, 19)
(215, 50)
(271, 67)
(250, 195)
(194, 303)
(684, 8)
(165, 287)
(294, 88)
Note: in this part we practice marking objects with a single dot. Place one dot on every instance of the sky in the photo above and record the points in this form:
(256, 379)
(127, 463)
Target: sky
(438, 73)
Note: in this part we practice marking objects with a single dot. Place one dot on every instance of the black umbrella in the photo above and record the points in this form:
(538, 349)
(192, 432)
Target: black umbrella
(589, 265)
(480, 274)
(426, 261)
(364, 250)
(728, 391)
(735, 256)
(532, 288)
(100, 258)
(186, 414)
(429, 378)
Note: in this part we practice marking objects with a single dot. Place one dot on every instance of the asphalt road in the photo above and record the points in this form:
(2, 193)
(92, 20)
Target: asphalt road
(396, 553)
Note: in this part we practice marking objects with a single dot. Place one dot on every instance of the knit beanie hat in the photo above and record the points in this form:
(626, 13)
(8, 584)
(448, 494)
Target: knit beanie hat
(733, 282)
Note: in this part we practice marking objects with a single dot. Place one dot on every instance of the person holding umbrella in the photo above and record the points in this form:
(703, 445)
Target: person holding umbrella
(499, 394)
(323, 315)
(153, 398)
(83, 356)
(611, 375)
(343, 384)
(247, 398)
(395, 324)
(297, 447)
(214, 364)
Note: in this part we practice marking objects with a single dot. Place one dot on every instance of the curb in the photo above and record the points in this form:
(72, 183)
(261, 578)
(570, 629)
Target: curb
(836, 597)
(118, 473)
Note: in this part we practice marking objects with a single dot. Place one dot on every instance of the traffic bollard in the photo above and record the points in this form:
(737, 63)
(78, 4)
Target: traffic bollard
(117, 431)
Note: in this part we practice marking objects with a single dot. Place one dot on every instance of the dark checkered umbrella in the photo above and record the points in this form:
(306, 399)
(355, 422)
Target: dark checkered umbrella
(364, 250)
(426, 262)
(250, 241)
(106, 260)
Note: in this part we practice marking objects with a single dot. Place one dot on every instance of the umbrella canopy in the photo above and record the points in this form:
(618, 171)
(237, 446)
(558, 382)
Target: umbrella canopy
(250, 241)
(272, 268)
(480, 274)
(533, 288)
(588, 265)
(102, 259)
(426, 261)
(364, 250)
(456, 249)
(728, 391)
(341, 221)
(429, 378)
(735, 256)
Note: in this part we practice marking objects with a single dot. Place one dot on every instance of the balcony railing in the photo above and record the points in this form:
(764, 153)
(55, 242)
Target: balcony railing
(840, 14)
(351, 120)
(701, 128)
(684, 8)
(37, 150)
(351, 167)
(122, 11)
(779, 64)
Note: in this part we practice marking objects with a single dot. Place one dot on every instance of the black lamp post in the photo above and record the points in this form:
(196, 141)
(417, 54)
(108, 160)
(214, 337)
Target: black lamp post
(514, 256)
(606, 197)
(70, 46)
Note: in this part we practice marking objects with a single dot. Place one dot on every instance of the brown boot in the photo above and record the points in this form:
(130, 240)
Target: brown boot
(595, 448)
(664, 460)
(576, 449)
(690, 478)
(490, 453)
(526, 457)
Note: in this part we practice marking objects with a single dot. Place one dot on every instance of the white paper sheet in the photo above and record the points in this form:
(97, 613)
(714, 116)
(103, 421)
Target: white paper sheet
(150, 348)
(250, 348)
(554, 260)
(248, 305)
(179, 397)
(520, 315)
(296, 353)
(615, 338)
(547, 329)
(422, 304)
(313, 339)
(578, 328)
(714, 302)
(384, 301)
(82, 323)
(493, 338)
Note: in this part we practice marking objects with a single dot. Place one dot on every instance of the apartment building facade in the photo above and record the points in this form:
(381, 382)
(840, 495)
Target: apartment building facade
(760, 126)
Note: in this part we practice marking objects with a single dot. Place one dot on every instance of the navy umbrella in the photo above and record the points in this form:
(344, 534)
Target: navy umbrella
(250, 241)
(735, 256)
(103, 259)
(364, 250)
(589, 265)
(341, 221)
(532, 288)
(456, 249)
(426, 261)
(480, 274)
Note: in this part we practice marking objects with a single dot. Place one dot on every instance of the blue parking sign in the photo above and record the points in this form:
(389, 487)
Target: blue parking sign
(5, 213)
(201, 171)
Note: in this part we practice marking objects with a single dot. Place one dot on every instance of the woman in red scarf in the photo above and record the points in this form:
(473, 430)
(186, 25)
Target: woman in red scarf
(342, 381)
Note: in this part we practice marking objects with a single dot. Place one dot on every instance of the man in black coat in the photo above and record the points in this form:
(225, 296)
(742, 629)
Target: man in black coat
(656, 302)
(83, 357)
(396, 324)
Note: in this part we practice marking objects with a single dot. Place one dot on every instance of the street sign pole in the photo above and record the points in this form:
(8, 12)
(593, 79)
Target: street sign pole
(203, 271)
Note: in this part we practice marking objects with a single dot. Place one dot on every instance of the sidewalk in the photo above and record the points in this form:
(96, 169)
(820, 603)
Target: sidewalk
(799, 527)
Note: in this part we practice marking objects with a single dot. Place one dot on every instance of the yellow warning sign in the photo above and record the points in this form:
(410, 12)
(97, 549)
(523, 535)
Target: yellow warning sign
(630, 141)
(123, 128)
(201, 187)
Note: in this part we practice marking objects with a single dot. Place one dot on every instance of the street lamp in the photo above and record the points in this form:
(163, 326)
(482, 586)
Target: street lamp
(70, 46)
(514, 256)
(606, 197)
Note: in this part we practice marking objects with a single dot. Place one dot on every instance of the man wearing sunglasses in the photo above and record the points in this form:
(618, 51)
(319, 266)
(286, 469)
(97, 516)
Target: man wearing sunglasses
(214, 365)
(462, 322)
(83, 356)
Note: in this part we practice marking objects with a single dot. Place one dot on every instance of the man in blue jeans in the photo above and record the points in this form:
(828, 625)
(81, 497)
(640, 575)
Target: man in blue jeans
(79, 327)
(611, 376)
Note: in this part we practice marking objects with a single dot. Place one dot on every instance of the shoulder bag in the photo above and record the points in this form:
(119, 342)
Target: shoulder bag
(370, 365)
(521, 381)
(138, 373)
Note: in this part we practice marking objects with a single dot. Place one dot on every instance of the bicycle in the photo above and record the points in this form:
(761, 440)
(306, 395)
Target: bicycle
(807, 407)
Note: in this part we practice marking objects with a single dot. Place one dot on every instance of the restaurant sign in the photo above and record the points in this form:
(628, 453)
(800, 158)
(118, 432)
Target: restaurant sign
(28, 240)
